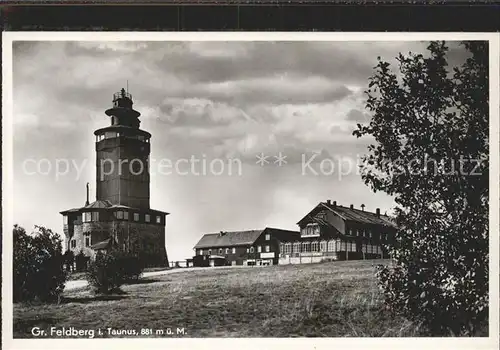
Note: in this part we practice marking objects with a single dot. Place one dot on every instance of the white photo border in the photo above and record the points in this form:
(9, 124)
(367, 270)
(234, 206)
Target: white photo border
(491, 342)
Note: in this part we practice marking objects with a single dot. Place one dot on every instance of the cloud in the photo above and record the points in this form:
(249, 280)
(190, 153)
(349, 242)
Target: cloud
(358, 116)
(211, 99)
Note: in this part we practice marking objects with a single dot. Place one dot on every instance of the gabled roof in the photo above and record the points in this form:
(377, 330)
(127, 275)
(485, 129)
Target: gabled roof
(355, 215)
(242, 238)
(228, 239)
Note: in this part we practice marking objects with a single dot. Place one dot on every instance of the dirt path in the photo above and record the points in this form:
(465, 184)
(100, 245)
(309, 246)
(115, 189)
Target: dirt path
(77, 284)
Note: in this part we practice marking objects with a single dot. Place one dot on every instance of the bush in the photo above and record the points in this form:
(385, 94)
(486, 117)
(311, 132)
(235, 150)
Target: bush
(81, 262)
(130, 266)
(69, 259)
(38, 265)
(104, 274)
(109, 271)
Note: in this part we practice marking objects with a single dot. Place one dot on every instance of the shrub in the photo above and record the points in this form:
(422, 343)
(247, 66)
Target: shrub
(81, 261)
(107, 272)
(38, 265)
(104, 274)
(130, 266)
(69, 259)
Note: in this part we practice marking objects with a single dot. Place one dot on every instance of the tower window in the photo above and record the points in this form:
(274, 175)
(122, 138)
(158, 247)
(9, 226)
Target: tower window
(73, 243)
(95, 216)
(147, 218)
(136, 216)
(87, 239)
(87, 217)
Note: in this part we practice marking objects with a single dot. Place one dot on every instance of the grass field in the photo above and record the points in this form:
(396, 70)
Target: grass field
(330, 299)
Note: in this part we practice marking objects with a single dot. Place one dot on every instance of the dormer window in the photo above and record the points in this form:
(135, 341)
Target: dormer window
(147, 218)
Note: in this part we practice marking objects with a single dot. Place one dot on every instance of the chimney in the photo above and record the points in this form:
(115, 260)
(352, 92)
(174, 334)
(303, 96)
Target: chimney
(334, 203)
(328, 202)
(362, 207)
(222, 233)
(377, 211)
(87, 201)
(351, 206)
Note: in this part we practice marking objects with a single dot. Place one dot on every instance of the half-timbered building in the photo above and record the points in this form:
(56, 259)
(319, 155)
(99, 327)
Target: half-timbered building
(334, 232)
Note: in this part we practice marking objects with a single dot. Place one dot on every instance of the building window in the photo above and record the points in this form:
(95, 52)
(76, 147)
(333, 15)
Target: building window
(220, 251)
(296, 247)
(65, 220)
(147, 218)
(210, 252)
(248, 250)
(288, 248)
(73, 243)
(251, 249)
(310, 230)
(268, 236)
(315, 247)
(331, 246)
(282, 249)
(227, 251)
(95, 216)
(87, 240)
(322, 246)
(259, 249)
(136, 216)
(306, 247)
(87, 217)
(125, 215)
(268, 249)
(158, 219)
(119, 214)
(234, 250)
(200, 252)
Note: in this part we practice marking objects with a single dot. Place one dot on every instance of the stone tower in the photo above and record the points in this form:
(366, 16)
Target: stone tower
(120, 217)
(122, 156)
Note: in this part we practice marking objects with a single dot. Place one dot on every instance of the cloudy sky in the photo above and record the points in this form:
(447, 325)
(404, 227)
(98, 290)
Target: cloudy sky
(207, 100)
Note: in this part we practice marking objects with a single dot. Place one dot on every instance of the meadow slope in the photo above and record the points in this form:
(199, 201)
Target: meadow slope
(333, 299)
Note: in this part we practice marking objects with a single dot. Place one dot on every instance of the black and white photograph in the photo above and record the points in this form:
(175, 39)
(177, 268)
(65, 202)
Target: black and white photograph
(250, 186)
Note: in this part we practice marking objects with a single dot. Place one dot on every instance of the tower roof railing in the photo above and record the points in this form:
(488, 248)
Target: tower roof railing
(121, 94)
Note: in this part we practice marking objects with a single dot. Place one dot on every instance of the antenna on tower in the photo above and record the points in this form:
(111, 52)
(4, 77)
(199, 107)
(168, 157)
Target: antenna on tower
(127, 85)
